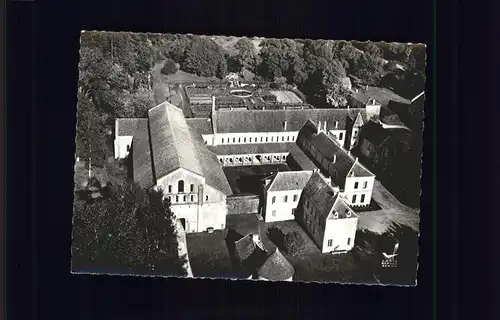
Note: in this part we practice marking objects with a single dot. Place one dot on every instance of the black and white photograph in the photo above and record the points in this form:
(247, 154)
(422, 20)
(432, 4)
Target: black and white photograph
(248, 158)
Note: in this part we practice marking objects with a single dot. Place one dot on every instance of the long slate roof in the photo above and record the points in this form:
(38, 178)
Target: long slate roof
(382, 95)
(276, 267)
(176, 145)
(128, 126)
(230, 149)
(320, 194)
(330, 149)
(238, 121)
(289, 180)
(141, 157)
(299, 158)
(201, 125)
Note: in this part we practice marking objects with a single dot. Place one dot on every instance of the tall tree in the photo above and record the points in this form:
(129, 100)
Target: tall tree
(281, 57)
(130, 232)
(324, 73)
(205, 58)
(90, 132)
(247, 56)
(346, 53)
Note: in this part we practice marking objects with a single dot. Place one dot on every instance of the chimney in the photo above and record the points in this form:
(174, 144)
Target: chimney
(366, 87)
(334, 158)
(324, 126)
(319, 127)
(255, 238)
(213, 104)
(284, 125)
(336, 124)
(356, 160)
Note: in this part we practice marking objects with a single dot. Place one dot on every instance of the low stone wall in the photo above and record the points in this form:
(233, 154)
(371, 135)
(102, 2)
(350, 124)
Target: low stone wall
(243, 204)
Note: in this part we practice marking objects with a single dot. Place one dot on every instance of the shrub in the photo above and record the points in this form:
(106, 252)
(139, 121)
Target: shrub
(169, 67)
(293, 243)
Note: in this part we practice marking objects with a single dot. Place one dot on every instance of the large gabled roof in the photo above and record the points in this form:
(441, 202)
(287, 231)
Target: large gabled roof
(320, 194)
(238, 121)
(289, 180)
(382, 95)
(201, 125)
(342, 161)
(141, 157)
(128, 126)
(176, 145)
(298, 160)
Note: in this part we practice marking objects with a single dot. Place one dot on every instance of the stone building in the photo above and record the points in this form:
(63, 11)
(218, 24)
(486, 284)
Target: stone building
(328, 219)
(354, 181)
(282, 192)
(169, 155)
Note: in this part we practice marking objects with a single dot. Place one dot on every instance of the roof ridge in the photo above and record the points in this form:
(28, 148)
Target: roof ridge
(173, 136)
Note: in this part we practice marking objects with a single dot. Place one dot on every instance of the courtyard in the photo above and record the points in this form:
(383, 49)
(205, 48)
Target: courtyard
(248, 179)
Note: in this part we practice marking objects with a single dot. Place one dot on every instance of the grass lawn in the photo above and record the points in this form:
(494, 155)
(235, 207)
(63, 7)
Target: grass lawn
(313, 265)
(392, 213)
(247, 179)
(208, 255)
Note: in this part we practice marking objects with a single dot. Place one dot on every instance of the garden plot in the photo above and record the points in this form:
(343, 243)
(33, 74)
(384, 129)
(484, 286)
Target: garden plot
(286, 96)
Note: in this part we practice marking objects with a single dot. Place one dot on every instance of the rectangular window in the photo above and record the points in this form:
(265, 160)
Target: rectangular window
(282, 138)
(176, 198)
(356, 185)
(266, 139)
(295, 198)
(273, 213)
(234, 140)
(191, 187)
(239, 139)
(274, 200)
(184, 198)
(348, 241)
(286, 199)
(169, 188)
(250, 139)
(293, 212)
(192, 198)
(272, 139)
(206, 198)
(354, 199)
(362, 198)
(244, 139)
(222, 140)
(365, 184)
(330, 242)
(261, 139)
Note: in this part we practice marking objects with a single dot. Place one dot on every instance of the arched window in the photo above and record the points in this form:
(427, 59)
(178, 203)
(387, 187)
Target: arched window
(180, 186)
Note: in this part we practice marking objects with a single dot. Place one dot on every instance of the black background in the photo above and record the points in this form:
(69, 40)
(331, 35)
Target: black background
(42, 57)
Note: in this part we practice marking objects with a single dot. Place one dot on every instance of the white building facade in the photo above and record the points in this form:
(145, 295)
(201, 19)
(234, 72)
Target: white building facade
(282, 193)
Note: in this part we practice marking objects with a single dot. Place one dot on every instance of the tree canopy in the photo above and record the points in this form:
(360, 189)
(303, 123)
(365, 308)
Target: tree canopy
(282, 57)
(205, 58)
(247, 57)
(132, 231)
